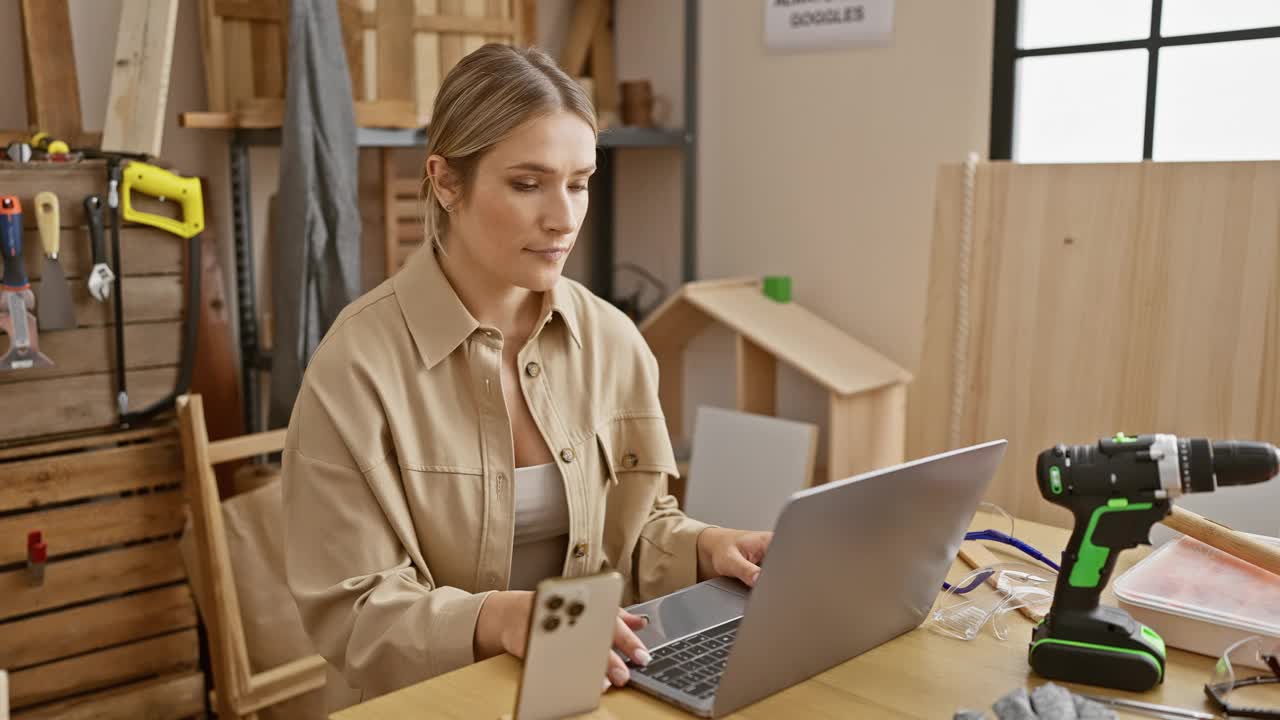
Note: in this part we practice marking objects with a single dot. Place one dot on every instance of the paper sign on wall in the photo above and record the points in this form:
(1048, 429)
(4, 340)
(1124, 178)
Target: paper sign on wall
(826, 24)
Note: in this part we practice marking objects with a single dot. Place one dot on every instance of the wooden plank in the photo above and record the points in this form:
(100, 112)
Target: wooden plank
(450, 40)
(238, 42)
(499, 10)
(53, 91)
(135, 661)
(78, 403)
(59, 478)
(604, 70)
(473, 9)
(426, 61)
(390, 238)
(268, 11)
(91, 576)
(219, 598)
(407, 210)
(867, 431)
(526, 20)
(139, 90)
(407, 187)
(88, 441)
(259, 113)
(757, 378)
(387, 114)
(270, 43)
(212, 39)
(71, 183)
(246, 446)
(146, 299)
(586, 18)
(93, 524)
(166, 698)
(143, 251)
(92, 350)
(350, 15)
(90, 627)
(287, 681)
(370, 45)
(395, 49)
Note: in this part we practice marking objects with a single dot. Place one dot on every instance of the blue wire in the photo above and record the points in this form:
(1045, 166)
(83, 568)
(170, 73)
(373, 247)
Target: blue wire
(998, 536)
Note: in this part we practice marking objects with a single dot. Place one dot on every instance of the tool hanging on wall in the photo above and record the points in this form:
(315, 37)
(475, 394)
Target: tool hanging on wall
(54, 307)
(100, 277)
(113, 202)
(16, 298)
(162, 185)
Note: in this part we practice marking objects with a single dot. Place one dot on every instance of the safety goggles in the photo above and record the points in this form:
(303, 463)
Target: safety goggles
(1236, 688)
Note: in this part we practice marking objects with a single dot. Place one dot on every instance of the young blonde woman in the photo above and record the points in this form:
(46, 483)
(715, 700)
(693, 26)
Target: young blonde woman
(477, 422)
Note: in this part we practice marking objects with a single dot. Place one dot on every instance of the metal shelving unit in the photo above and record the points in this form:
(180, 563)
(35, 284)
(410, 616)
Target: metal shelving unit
(254, 360)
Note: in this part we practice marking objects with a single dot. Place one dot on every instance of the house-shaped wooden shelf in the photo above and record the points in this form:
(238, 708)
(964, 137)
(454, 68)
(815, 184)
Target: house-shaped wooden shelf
(867, 392)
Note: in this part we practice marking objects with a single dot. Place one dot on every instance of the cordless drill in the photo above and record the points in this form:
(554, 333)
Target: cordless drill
(1117, 489)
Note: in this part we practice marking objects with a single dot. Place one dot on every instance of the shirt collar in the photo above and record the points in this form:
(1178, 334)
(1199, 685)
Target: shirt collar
(437, 319)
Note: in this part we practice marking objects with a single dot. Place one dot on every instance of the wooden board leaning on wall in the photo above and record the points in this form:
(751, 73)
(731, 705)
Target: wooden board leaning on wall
(1137, 297)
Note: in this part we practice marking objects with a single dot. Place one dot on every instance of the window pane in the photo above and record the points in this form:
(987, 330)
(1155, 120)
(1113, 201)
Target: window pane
(1086, 107)
(1217, 102)
(1051, 23)
(1188, 17)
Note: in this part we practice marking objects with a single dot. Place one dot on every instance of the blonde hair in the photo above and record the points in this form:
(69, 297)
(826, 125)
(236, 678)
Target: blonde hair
(483, 99)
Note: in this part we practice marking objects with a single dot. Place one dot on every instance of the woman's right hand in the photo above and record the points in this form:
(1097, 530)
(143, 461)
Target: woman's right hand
(503, 626)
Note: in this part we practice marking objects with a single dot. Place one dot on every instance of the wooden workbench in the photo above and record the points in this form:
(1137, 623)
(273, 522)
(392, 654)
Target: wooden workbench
(918, 675)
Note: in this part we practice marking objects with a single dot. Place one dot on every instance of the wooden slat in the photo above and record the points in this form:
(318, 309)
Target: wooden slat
(135, 661)
(90, 577)
(92, 350)
(77, 403)
(53, 91)
(246, 446)
(139, 88)
(60, 478)
(473, 41)
(395, 50)
(93, 524)
(167, 698)
(410, 233)
(370, 44)
(757, 378)
(604, 70)
(146, 299)
(464, 25)
(390, 239)
(134, 617)
(287, 681)
(407, 210)
(407, 188)
(351, 16)
(270, 44)
(526, 20)
(143, 251)
(450, 40)
(238, 43)
(867, 431)
(586, 18)
(83, 442)
(70, 183)
(212, 38)
(254, 114)
(268, 11)
(499, 10)
(426, 61)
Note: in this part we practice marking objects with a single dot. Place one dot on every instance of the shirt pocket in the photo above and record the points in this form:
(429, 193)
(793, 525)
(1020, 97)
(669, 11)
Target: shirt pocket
(635, 445)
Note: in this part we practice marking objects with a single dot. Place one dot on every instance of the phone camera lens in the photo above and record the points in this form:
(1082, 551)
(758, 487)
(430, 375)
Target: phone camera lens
(575, 609)
(555, 602)
(551, 623)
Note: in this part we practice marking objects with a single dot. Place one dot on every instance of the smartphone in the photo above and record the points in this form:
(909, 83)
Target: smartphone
(567, 649)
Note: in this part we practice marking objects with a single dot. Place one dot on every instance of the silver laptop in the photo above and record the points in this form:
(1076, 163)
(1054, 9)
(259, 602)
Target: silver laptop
(853, 564)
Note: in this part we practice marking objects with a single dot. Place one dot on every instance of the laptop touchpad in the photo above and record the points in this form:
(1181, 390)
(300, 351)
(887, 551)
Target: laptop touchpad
(687, 611)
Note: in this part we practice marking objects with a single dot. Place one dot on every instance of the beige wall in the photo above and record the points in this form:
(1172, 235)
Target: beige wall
(821, 166)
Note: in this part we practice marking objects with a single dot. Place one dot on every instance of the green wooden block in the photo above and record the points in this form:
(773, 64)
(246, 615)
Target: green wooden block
(778, 287)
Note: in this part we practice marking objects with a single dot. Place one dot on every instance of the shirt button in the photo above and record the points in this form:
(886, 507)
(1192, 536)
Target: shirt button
(500, 481)
(493, 579)
(533, 369)
(580, 550)
(630, 460)
(567, 455)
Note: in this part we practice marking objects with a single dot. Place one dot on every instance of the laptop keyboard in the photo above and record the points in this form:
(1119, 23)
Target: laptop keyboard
(696, 663)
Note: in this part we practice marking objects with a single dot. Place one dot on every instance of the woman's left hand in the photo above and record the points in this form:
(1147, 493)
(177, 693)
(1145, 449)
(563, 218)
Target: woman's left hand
(732, 553)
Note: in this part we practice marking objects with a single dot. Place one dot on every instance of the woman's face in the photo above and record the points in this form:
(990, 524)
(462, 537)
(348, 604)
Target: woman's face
(521, 216)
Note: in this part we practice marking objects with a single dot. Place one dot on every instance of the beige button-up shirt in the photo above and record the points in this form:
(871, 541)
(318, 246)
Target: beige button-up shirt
(399, 462)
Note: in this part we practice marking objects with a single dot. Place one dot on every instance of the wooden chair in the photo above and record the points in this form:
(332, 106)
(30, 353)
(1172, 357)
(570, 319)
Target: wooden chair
(238, 691)
(402, 213)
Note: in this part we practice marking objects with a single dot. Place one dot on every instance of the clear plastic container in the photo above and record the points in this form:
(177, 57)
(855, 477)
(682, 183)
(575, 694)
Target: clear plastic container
(1199, 598)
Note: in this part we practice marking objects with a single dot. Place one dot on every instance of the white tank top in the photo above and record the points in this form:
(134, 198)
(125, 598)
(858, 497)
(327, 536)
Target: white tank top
(541, 527)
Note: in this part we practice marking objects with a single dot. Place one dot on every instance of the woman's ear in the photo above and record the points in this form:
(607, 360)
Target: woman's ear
(444, 181)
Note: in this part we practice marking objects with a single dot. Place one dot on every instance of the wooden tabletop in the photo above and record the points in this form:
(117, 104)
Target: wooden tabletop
(919, 675)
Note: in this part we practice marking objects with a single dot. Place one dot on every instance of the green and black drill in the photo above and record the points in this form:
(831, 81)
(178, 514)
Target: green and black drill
(1117, 489)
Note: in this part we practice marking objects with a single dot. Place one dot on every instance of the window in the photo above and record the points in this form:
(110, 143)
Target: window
(1127, 80)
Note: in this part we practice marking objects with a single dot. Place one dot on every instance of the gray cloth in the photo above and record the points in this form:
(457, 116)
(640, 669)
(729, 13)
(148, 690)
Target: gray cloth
(1047, 702)
(315, 249)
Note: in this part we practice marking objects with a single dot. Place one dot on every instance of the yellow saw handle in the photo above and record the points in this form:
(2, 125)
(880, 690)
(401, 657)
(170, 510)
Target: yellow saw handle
(160, 183)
